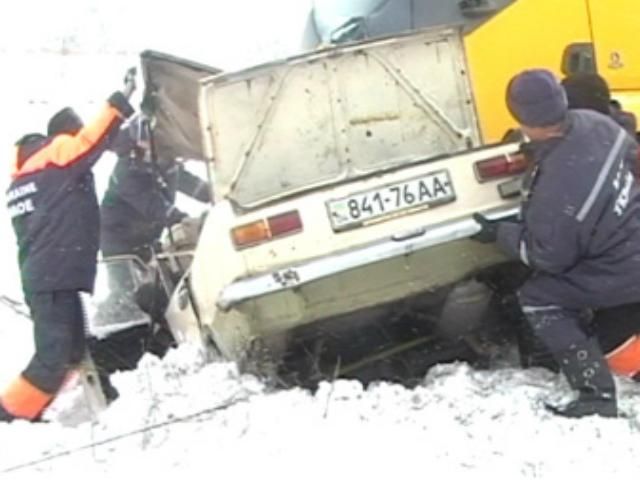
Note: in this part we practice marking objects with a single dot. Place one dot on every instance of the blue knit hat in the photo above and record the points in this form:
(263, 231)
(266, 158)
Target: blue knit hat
(536, 99)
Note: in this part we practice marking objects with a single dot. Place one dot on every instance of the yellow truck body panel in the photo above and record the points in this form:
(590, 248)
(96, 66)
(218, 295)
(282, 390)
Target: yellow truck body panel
(538, 33)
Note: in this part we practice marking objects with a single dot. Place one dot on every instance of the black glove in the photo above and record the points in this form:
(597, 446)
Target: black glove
(175, 216)
(489, 231)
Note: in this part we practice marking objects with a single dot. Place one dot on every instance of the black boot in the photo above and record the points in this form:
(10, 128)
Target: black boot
(531, 350)
(586, 405)
(5, 416)
(579, 358)
(533, 353)
(110, 392)
(587, 372)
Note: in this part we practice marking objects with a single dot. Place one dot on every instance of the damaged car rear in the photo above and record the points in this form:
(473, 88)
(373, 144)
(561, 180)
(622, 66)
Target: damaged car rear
(344, 181)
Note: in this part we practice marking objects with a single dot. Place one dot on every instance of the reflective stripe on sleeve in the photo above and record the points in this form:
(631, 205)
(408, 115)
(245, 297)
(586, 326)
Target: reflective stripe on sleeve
(602, 176)
(546, 308)
(524, 256)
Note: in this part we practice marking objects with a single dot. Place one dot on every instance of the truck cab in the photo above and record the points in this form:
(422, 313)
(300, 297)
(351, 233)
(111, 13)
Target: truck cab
(502, 37)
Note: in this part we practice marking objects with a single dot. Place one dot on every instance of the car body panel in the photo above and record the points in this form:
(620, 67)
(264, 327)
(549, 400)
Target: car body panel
(286, 127)
(171, 97)
(615, 26)
(398, 245)
(314, 274)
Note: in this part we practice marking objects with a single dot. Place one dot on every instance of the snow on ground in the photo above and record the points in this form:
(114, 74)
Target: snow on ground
(461, 422)
(181, 415)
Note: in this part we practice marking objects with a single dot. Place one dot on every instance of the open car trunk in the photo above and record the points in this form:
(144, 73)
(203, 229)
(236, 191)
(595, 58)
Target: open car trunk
(338, 122)
(171, 99)
(309, 121)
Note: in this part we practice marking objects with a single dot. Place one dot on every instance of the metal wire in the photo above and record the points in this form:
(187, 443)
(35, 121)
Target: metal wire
(224, 406)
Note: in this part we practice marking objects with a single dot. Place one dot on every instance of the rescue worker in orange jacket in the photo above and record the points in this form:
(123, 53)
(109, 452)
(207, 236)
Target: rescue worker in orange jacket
(54, 210)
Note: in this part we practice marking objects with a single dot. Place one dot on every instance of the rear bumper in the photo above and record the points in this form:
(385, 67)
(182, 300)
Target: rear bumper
(401, 244)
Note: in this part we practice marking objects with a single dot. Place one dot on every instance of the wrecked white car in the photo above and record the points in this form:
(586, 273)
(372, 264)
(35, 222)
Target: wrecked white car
(344, 182)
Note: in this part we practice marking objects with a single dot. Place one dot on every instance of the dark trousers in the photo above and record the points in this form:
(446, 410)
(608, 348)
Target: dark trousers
(59, 336)
(557, 311)
(561, 321)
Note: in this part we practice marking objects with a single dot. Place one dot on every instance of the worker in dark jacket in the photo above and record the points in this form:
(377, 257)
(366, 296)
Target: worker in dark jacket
(138, 204)
(626, 120)
(140, 201)
(579, 231)
(54, 210)
(587, 91)
(590, 91)
(140, 198)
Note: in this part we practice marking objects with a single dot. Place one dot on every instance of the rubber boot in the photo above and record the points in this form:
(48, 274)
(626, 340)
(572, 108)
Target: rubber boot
(5, 416)
(111, 393)
(563, 332)
(588, 373)
(531, 350)
(533, 353)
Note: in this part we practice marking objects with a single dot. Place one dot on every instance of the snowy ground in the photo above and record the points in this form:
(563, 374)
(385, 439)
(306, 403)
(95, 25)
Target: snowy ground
(181, 415)
(184, 416)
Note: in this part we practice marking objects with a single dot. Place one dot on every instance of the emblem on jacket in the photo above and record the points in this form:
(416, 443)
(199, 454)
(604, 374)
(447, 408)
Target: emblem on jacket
(19, 202)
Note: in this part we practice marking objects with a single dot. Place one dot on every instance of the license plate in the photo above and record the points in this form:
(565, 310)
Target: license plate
(355, 210)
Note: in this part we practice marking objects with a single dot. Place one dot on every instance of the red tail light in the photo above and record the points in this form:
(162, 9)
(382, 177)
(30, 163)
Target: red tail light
(253, 233)
(502, 166)
(284, 223)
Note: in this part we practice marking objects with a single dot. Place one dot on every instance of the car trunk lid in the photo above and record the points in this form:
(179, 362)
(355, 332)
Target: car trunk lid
(171, 99)
(337, 114)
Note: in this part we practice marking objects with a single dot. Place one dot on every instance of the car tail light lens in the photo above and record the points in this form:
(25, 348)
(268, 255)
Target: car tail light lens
(284, 223)
(502, 166)
(253, 233)
(250, 233)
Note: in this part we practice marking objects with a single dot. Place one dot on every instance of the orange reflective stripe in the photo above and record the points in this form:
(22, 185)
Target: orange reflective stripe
(67, 149)
(24, 400)
(625, 360)
(14, 166)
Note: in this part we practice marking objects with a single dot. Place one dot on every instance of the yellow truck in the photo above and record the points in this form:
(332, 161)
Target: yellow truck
(502, 37)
